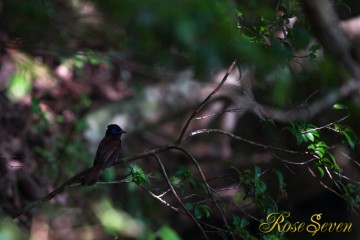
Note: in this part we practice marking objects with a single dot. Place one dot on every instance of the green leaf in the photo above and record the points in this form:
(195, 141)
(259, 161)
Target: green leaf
(280, 176)
(349, 137)
(167, 233)
(321, 170)
(198, 213)
(240, 222)
(337, 128)
(138, 175)
(244, 223)
(194, 184)
(311, 146)
(85, 100)
(320, 152)
(327, 162)
(239, 14)
(9, 230)
(236, 170)
(321, 144)
(201, 210)
(257, 171)
(236, 221)
(35, 106)
(177, 182)
(189, 206)
(339, 106)
(183, 172)
(310, 136)
(314, 47)
(19, 86)
(260, 187)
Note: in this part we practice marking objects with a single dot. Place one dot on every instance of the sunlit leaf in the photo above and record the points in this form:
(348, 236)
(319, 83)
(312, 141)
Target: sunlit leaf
(310, 136)
(117, 221)
(339, 106)
(10, 231)
(320, 152)
(167, 233)
(311, 146)
(138, 175)
(321, 144)
(19, 86)
(337, 127)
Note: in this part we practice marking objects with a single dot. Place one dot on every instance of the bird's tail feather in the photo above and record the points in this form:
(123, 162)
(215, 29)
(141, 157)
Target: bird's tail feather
(92, 177)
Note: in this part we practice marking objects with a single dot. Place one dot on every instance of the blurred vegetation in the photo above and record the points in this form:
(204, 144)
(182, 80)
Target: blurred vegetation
(69, 68)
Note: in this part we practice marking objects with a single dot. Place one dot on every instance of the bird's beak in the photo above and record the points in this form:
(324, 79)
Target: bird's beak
(122, 131)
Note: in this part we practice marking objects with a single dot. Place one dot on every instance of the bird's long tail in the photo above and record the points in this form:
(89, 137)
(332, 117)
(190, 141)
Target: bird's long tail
(92, 177)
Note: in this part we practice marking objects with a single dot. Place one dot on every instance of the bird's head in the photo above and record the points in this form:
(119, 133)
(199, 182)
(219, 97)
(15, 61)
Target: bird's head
(114, 130)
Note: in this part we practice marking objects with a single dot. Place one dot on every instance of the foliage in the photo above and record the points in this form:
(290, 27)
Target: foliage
(62, 61)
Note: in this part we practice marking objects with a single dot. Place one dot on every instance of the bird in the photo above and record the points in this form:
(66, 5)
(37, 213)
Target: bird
(108, 151)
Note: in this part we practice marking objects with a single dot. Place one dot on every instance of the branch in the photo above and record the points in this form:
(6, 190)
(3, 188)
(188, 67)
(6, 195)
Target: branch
(177, 196)
(205, 183)
(79, 176)
(316, 107)
(327, 125)
(159, 197)
(326, 28)
(332, 190)
(203, 103)
(266, 147)
(56, 191)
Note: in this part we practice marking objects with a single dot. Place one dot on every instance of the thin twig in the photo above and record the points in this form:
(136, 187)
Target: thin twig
(159, 197)
(332, 190)
(327, 125)
(205, 183)
(331, 177)
(237, 207)
(350, 158)
(203, 103)
(52, 194)
(347, 178)
(266, 147)
(232, 110)
(177, 196)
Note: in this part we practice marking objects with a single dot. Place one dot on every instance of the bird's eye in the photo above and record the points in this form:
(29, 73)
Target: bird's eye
(113, 131)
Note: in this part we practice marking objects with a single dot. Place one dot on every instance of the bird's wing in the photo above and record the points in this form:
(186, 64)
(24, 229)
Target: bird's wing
(107, 152)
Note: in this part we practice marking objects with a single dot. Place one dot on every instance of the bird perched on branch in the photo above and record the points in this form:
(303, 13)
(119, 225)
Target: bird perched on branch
(106, 154)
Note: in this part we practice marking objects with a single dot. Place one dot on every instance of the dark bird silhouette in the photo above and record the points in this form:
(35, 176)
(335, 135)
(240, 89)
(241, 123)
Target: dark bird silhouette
(106, 154)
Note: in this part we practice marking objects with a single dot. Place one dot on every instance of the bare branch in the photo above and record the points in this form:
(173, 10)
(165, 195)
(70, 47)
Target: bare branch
(349, 87)
(159, 197)
(266, 147)
(331, 190)
(203, 103)
(177, 196)
(327, 125)
(347, 178)
(205, 183)
(222, 112)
